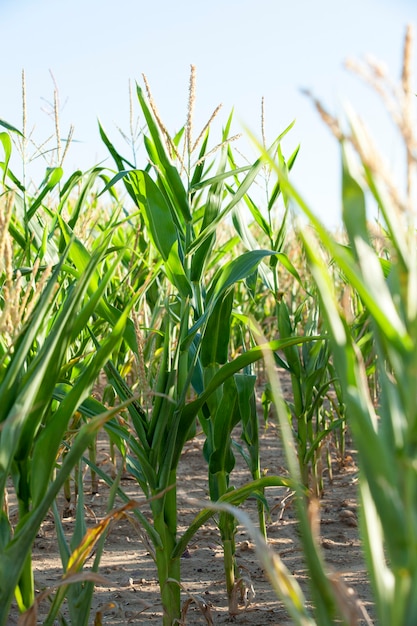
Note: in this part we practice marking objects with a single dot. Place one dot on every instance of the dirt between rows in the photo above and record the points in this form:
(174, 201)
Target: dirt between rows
(131, 592)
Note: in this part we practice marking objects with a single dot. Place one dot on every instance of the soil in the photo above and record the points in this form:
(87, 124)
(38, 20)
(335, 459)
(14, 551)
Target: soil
(131, 593)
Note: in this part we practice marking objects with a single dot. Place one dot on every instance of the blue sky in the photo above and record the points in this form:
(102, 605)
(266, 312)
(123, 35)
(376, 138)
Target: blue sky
(243, 50)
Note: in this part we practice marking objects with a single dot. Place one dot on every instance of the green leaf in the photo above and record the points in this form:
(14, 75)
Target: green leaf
(7, 147)
(251, 243)
(232, 272)
(236, 270)
(190, 410)
(52, 178)
(215, 342)
(120, 161)
(211, 210)
(258, 217)
(224, 420)
(235, 497)
(354, 206)
(47, 444)
(83, 195)
(161, 228)
(286, 331)
(199, 168)
(10, 127)
(218, 178)
(245, 386)
(237, 197)
(80, 256)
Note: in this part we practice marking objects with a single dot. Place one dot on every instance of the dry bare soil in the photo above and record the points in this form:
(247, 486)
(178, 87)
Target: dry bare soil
(131, 594)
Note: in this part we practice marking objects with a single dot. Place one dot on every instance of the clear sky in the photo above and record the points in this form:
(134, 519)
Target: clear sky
(243, 50)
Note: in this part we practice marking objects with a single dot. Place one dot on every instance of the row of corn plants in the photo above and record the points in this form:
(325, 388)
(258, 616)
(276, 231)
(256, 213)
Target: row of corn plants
(149, 281)
(45, 311)
(182, 206)
(372, 343)
(163, 298)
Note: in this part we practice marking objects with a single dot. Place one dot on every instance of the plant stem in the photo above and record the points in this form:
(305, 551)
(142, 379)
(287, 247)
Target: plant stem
(165, 522)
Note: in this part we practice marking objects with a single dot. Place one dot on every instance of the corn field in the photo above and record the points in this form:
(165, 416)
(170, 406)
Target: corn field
(154, 308)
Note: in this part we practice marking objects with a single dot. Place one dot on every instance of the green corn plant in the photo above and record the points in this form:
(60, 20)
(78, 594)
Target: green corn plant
(332, 601)
(31, 474)
(232, 405)
(274, 233)
(218, 420)
(32, 426)
(383, 433)
(282, 581)
(250, 446)
(311, 383)
(181, 210)
(147, 464)
(307, 365)
(250, 436)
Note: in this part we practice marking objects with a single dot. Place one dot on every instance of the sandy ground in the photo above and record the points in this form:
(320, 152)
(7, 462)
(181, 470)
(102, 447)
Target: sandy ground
(131, 593)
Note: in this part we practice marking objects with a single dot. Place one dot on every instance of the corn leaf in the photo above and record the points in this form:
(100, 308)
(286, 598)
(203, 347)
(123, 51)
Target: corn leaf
(161, 228)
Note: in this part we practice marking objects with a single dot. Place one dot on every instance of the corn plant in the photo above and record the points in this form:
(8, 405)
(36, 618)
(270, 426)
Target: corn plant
(307, 365)
(332, 601)
(32, 428)
(181, 208)
(46, 276)
(311, 383)
(384, 433)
